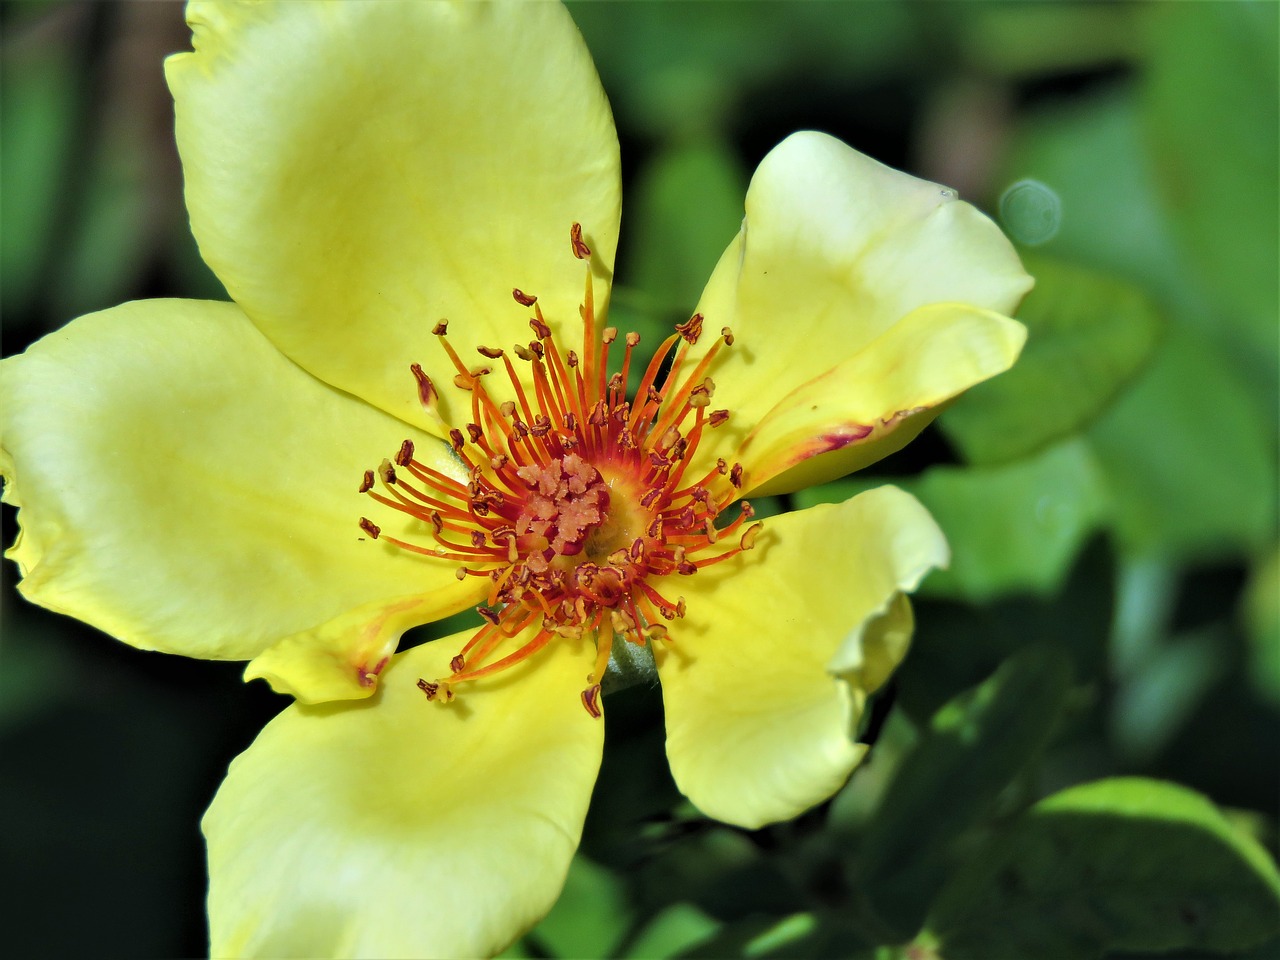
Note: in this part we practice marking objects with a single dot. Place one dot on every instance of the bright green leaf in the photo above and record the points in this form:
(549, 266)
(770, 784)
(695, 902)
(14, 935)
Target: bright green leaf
(1122, 864)
(590, 917)
(679, 927)
(1088, 335)
(976, 745)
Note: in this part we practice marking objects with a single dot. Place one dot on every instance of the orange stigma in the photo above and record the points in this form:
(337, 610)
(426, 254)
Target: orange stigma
(577, 498)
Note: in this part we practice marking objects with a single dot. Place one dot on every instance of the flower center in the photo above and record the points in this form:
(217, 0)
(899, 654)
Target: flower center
(577, 499)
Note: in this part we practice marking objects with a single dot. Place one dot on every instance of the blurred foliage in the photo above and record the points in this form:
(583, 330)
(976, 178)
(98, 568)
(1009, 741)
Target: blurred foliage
(1077, 759)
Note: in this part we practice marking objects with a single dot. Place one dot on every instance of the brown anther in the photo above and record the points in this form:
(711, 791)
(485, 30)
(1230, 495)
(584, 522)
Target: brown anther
(474, 432)
(748, 510)
(477, 538)
(681, 609)
(608, 335)
(691, 329)
(537, 349)
(653, 396)
(487, 614)
(570, 421)
(426, 389)
(387, 473)
(637, 549)
(541, 425)
(718, 417)
(405, 454)
(655, 528)
(367, 483)
(455, 438)
(430, 689)
(633, 339)
(369, 527)
(615, 382)
(728, 336)
(540, 329)
(686, 568)
(580, 249)
(437, 522)
(441, 328)
(735, 475)
(524, 299)
(658, 460)
(749, 536)
(493, 353)
(571, 358)
(680, 449)
(458, 664)
(591, 700)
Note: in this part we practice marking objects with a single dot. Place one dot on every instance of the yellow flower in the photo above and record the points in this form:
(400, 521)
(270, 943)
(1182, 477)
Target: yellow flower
(190, 473)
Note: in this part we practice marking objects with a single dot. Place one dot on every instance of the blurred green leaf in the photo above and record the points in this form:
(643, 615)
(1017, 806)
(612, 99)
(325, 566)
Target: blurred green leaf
(1012, 528)
(1188, 457)
(1088, 335)
(687, 207)
(1121, 864)
(110, 245)
(1032, 39)
(1262, 622)
(1211, 85)
(590, 917)
(976, 744)
(1017, 527)
(1151, 705)
(38, 114)
(678, 927)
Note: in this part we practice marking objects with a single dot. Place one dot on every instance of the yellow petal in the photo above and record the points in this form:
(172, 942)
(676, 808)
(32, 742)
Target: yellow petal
(357, 171)
(399, 827)
(767, 674)
(876, 401)
(834, 251)
(186, 488)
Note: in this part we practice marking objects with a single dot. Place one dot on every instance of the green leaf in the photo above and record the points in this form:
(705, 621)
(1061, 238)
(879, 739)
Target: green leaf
(1088, 335)
(1261, 611)
(687, 206)
(1121, 864)
(37, 128)
(1219, 168)
(1014, 528)
(679, 927)
(590, 917)
(976, 745)
(1189, 458)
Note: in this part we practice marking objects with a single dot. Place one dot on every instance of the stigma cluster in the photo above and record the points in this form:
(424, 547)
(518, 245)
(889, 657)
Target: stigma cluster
(578, 499)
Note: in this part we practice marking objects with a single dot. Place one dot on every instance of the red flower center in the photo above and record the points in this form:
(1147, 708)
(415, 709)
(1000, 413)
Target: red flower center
(578, 499)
